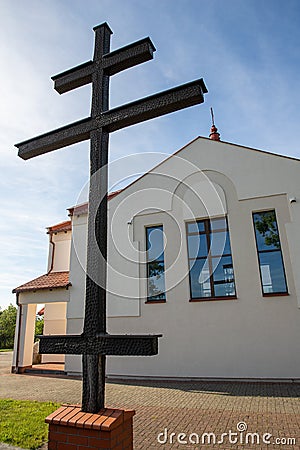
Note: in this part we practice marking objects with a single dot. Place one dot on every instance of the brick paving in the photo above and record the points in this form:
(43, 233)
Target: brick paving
(187, 407)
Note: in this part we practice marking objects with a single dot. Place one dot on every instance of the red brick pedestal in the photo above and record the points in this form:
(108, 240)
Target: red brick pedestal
(72, 429)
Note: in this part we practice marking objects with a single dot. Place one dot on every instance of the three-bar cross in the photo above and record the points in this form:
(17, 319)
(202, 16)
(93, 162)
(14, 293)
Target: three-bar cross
(95, 343)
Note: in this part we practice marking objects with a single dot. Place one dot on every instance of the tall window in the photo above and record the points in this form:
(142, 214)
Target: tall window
(269, 253)
(155, 264)
(210, 262)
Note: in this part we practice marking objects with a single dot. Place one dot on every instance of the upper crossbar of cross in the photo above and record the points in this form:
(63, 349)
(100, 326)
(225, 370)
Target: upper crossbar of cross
(103, 65)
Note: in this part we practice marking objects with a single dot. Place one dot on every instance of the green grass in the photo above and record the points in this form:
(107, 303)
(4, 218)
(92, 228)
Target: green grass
(6, 349)
(22, 423)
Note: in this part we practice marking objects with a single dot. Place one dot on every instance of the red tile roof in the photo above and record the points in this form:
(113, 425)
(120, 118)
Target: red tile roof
(79, 209)
(83, 208)
(41, 312)
(63, 226)
(52, 280)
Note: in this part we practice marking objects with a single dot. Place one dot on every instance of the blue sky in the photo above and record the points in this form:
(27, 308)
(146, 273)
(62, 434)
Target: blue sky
(247, 51)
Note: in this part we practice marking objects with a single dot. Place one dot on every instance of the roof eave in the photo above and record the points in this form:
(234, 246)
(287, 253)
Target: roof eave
(49, 288)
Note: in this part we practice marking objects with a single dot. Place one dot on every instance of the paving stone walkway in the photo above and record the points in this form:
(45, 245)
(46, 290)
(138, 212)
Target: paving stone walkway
(192, 408)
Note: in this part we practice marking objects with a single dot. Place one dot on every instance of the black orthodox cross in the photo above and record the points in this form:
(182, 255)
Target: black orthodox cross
(95, 343)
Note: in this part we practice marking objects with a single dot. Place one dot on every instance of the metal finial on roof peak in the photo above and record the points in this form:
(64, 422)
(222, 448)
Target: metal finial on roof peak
(214, 135)
(212, 115)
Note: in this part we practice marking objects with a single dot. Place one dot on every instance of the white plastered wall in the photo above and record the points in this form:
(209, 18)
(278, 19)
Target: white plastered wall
(55, 305)
(55, 302)
(25, 326)
(250, 337)
(59, 259)
(75, 308)
(55, 322)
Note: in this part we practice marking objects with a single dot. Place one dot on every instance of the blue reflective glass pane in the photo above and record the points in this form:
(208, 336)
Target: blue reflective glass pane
(156, 281)
(272, 272)
(266, 231)
(196, 227)
(197, 245)
(220, 243)
(223, 276)
(155, 244)
(225, 290)
(218, 224)
(199, 279)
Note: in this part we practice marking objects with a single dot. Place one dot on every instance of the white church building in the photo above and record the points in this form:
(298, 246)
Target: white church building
(203, 249)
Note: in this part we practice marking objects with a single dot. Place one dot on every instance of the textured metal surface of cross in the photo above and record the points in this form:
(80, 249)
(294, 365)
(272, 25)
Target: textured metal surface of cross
(95, 343)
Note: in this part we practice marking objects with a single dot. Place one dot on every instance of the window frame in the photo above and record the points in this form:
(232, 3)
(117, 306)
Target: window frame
(150, 300)
(208, 231)
(258, 252)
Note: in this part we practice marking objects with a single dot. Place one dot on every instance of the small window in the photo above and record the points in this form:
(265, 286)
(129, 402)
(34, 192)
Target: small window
(269, 253)
(210, 262)
(155, 264)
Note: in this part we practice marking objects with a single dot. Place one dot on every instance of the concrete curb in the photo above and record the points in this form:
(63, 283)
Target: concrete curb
(9, 447)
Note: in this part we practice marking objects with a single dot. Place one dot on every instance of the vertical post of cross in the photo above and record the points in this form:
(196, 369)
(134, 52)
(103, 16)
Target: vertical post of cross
(93, 366)
(95, 342)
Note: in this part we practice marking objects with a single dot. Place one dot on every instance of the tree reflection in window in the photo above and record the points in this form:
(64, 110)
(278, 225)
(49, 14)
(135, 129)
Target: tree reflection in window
(155, 264)
(266, 225)
(269, 253)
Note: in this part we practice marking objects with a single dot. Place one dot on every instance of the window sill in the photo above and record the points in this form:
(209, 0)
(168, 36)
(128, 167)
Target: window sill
(154, 302)
(278, 294)
(212, 299)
